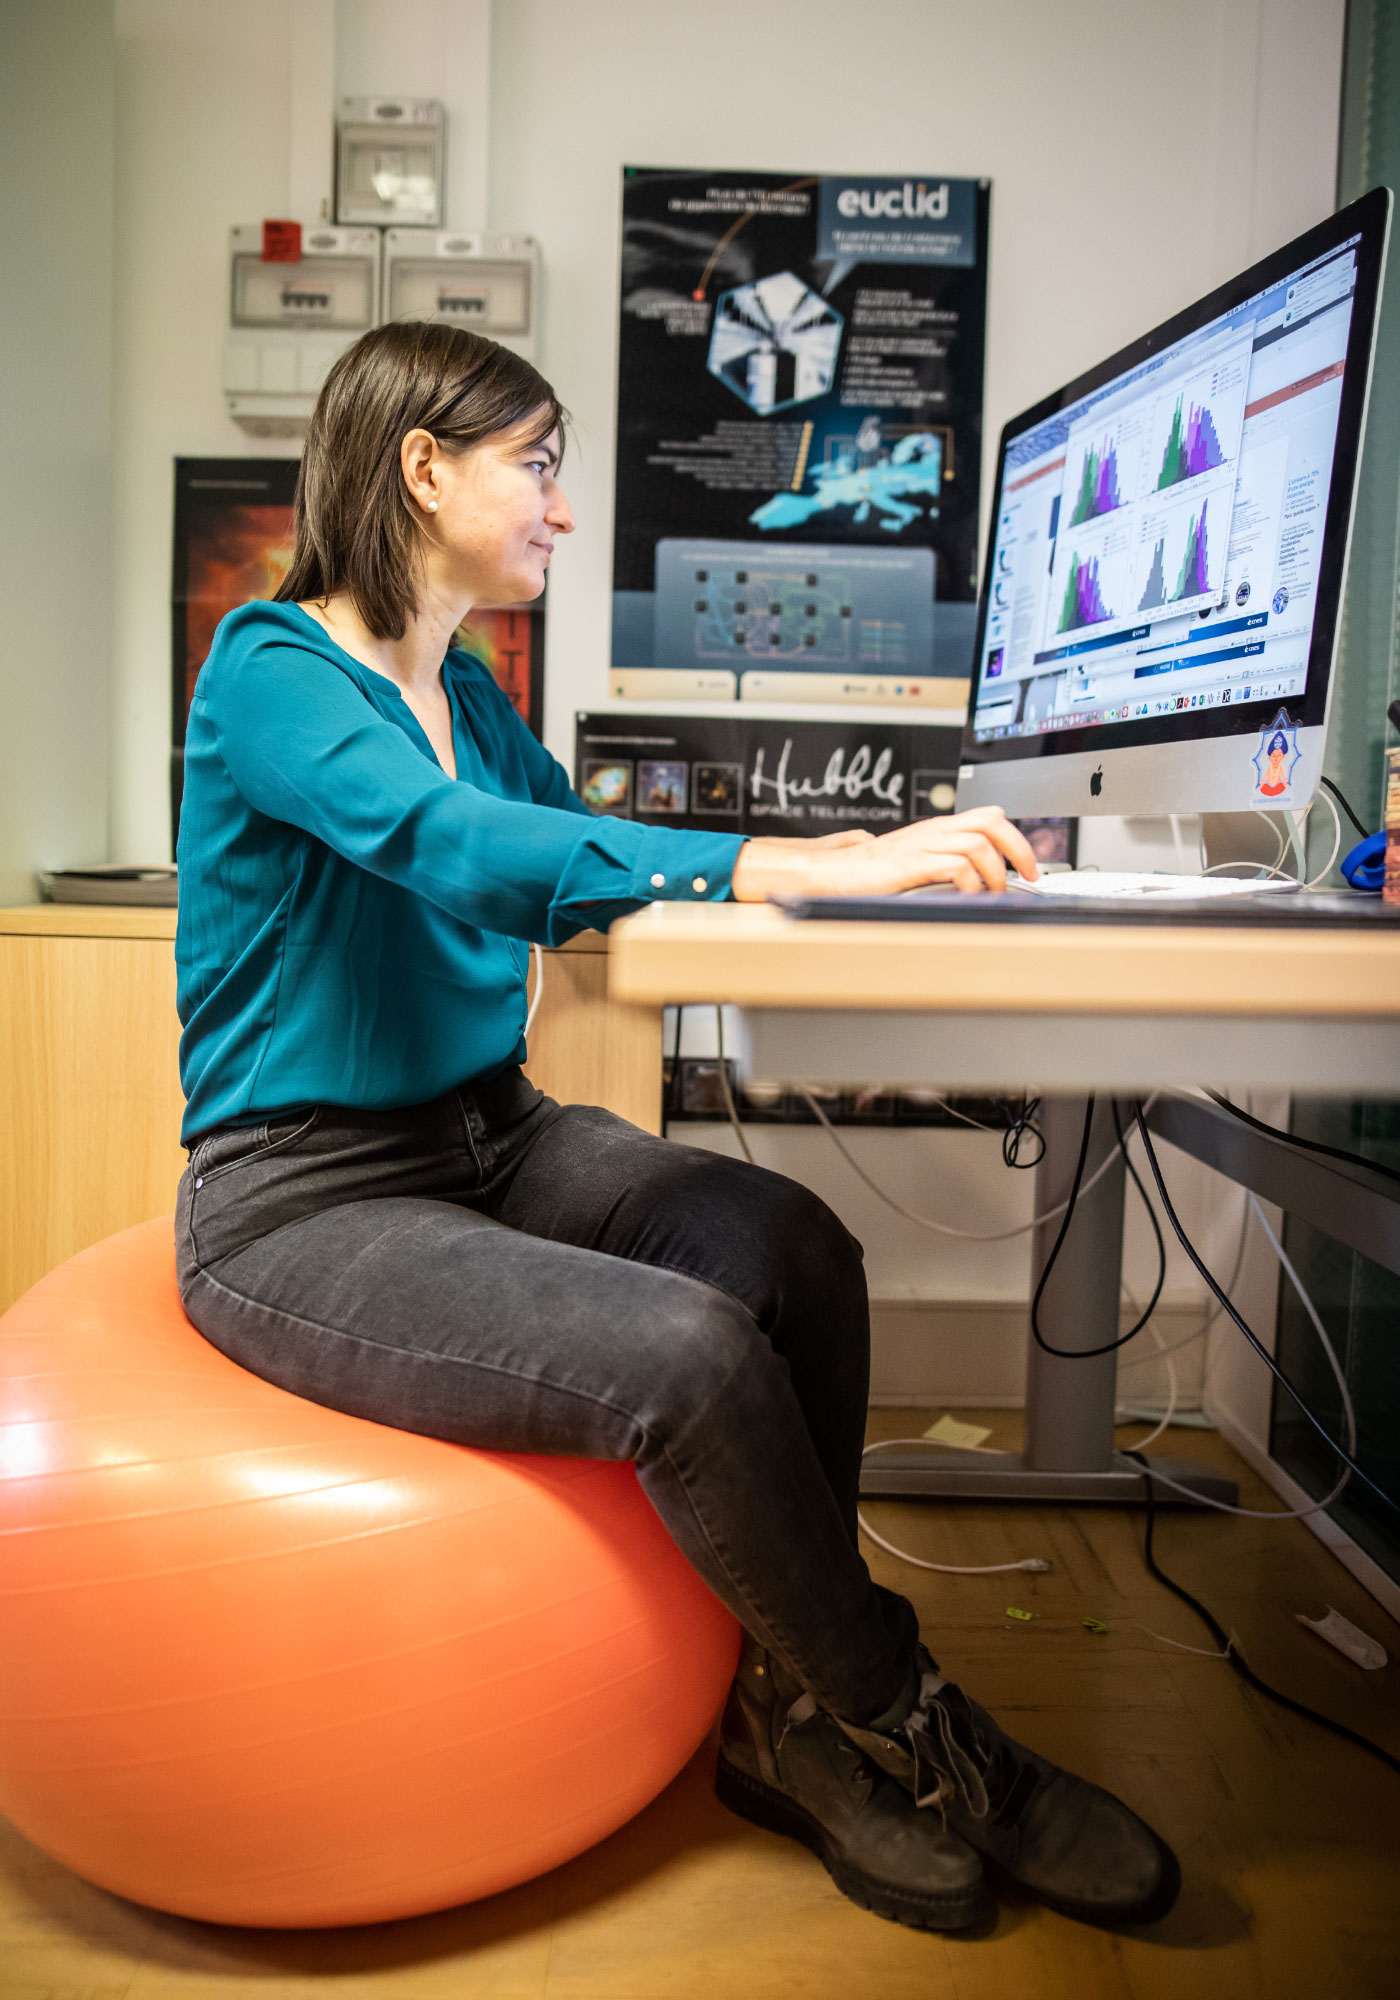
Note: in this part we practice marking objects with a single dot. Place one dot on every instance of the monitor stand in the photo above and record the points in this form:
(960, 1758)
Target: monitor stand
(1069, 1454)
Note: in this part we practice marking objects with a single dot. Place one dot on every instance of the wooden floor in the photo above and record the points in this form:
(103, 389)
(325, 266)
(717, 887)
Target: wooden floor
(1289, 1839)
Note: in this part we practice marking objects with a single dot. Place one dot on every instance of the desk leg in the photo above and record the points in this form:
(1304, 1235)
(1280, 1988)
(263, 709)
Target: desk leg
(1069, 1451)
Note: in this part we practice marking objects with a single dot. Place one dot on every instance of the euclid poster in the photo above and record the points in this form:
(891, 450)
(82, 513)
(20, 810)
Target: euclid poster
(799, 437)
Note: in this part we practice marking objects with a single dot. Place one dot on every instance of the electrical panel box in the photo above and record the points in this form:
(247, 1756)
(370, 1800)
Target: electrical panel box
(487, 283)
(390, 154)
(289, 321)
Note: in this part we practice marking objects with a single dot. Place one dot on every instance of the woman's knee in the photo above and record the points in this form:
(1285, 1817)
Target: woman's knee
(813, 1254)
(709, 1355)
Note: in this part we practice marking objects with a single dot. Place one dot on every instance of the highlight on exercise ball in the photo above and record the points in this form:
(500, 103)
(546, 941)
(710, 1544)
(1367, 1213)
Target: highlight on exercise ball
(263, 1663)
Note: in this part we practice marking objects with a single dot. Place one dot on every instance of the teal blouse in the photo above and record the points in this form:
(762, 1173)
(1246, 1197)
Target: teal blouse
(354, 924)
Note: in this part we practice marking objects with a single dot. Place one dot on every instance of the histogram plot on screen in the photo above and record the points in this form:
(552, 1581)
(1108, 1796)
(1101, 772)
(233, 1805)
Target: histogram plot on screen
(1100, 490)
(1182, 551)
(1092, 581)
(1103, 465)
(1197, 420)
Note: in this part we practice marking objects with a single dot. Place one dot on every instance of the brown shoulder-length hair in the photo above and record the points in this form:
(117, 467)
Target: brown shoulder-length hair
(356, 528)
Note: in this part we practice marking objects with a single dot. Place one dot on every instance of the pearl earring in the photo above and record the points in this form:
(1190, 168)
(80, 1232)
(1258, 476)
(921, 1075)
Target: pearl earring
(432, 506)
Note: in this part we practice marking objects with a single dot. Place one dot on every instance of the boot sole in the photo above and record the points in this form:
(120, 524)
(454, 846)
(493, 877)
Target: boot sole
(751, 1799)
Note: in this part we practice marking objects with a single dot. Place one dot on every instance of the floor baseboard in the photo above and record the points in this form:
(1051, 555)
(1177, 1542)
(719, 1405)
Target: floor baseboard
(972, 1353)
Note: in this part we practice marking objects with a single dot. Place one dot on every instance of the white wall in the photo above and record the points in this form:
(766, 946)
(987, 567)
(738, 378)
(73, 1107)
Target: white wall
(202, 142)
(55, 436)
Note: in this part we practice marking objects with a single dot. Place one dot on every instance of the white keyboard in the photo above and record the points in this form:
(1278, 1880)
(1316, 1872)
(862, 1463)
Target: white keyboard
(1075, 883)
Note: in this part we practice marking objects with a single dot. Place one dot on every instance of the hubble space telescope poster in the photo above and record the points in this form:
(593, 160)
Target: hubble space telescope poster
(799, 437)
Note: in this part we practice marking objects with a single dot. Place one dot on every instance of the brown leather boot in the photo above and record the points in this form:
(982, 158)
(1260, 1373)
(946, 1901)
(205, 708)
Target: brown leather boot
(787, 1765)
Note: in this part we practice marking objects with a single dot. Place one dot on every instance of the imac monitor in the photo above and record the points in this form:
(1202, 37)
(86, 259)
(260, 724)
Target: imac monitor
(1167, 551)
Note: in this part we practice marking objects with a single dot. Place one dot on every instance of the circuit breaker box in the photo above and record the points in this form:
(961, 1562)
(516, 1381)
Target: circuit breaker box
(485, 282)
(390, 161)
(288, 321)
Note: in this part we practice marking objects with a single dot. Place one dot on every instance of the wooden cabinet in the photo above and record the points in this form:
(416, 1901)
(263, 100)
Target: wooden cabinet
(90, 1098)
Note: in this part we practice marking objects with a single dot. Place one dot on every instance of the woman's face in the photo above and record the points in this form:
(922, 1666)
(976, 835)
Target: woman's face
(499, 509)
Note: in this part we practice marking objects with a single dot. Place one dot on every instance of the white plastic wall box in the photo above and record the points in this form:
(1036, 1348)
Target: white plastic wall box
(289, 322)
(390, 159)
(489, 283)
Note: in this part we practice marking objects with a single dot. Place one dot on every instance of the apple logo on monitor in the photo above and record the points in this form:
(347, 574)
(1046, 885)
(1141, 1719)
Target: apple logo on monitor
(1096, 782)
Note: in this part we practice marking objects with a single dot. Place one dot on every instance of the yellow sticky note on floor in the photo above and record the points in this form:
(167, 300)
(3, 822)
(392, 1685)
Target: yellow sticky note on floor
(963, 1437)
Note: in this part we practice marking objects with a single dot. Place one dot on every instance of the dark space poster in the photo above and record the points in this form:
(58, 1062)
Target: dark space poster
(233, 542)
(799, 436)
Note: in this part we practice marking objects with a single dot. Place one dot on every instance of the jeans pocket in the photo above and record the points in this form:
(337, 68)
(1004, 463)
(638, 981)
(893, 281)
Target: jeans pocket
(240, 1145)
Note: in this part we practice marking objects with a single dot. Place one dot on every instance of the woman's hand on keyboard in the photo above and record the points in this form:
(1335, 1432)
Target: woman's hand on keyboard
(968, 851)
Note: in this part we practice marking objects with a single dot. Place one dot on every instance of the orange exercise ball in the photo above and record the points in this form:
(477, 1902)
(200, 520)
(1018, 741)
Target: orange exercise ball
(263, 1663)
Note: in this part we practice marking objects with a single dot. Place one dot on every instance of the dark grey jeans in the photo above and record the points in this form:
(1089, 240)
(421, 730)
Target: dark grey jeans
(508, 1273)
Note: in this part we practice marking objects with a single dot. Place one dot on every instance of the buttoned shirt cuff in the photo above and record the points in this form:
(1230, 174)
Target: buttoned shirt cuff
(673, 866)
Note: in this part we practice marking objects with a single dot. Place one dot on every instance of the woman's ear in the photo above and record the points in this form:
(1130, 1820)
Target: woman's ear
(418, 456)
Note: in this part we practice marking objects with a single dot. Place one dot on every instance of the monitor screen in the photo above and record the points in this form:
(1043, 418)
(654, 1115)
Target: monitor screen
(1165, 556)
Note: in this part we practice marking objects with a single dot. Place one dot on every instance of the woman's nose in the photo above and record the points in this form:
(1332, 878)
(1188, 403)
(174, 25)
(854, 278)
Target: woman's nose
(560, 516)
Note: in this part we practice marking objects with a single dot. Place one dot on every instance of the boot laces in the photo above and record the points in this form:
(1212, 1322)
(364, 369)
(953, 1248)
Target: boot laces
(954, 1758)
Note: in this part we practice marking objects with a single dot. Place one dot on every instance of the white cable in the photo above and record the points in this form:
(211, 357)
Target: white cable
(1267, 872)
(1281, 831)
(1295, 824)
(1215, 1307)
(1172, 1385)
(944, 1228)
(1205, 1652)
(1037, 1564)
(962, 1117)
(534, 1007)
(1317, 1506)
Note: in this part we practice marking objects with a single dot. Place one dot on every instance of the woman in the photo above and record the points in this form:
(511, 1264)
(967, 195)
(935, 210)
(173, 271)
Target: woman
(382, 1214)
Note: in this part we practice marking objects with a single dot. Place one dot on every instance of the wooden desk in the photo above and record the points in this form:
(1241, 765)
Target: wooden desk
(90, 1099)
(987, 1006)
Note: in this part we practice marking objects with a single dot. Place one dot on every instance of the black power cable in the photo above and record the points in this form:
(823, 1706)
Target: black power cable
(1250, 1335)
(1109, 1346)
(1228, 1647)
(1152, 1218)
(1020, 1126)
(1308, 1145)
(1340, 796)
(671, 1097)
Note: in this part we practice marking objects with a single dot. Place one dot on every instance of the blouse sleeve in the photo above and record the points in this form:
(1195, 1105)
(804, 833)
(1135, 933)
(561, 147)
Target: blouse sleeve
(303, 745)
